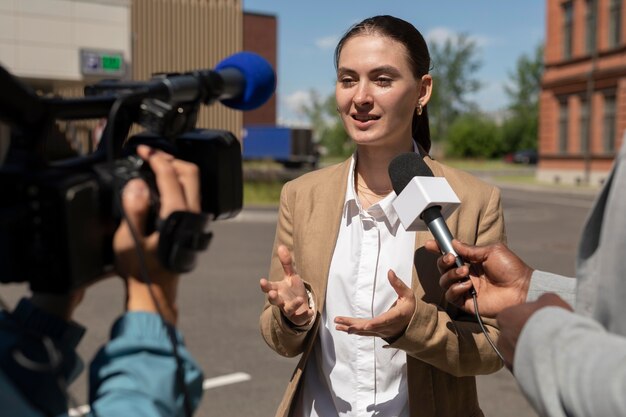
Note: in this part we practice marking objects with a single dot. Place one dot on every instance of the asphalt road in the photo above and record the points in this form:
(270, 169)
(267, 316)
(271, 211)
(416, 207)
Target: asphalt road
(220, 303)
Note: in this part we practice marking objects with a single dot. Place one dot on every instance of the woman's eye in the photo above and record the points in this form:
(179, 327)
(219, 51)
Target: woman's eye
(383, 81)
(347, 82)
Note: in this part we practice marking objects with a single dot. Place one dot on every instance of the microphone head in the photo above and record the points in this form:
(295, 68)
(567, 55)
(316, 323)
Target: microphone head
(260, 80)
(406, 166)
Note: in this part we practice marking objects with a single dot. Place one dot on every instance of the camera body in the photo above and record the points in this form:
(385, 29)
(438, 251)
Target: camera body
(57, 224)
(58, 217)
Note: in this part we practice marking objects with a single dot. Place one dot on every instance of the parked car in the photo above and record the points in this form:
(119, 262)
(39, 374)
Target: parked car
(525, 156)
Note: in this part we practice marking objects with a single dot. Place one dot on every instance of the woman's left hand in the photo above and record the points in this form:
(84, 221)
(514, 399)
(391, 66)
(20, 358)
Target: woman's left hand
(389, 325)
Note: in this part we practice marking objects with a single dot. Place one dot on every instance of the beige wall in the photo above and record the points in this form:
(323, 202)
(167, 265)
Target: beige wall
(183, 35)
(41, 39)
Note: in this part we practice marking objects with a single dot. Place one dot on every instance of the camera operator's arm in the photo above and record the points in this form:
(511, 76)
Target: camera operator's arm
(179, 188)
(135, 373)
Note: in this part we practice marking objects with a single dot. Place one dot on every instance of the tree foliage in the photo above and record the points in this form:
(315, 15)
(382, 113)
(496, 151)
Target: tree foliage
(455, 64)
(327, 127)
(520, 129)
(473, 135)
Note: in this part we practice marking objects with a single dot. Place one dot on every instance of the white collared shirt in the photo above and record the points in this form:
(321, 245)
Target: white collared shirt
(347, 374)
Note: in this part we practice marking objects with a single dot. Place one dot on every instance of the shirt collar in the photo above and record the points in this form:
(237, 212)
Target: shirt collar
(381, 211)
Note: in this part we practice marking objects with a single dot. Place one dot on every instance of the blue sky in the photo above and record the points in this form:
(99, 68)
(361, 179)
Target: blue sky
(309, 30)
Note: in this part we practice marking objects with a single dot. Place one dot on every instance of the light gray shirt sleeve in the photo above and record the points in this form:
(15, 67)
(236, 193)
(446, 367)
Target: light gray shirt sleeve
(549, 367)
(543, 282)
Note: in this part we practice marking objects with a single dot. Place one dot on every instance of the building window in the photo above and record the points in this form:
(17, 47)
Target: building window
(590, 29)
(584, 127)
(563, 121)
(609, 124)
(568, 12)
(615, 23)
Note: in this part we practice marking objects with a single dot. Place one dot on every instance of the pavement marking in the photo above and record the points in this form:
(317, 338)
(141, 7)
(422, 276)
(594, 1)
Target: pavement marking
(207, 384)
(225, 380)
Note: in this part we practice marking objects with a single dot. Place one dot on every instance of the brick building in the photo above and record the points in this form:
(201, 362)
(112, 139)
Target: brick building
(260, 36)
(583, 98)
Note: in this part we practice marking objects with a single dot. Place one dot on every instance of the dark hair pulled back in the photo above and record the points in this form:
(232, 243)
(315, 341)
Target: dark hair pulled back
(419, 58)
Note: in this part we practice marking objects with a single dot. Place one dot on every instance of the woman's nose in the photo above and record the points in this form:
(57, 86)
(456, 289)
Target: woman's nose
(362, 95)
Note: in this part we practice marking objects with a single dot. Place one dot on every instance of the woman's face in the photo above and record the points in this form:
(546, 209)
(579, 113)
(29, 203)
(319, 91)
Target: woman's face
(376, 91)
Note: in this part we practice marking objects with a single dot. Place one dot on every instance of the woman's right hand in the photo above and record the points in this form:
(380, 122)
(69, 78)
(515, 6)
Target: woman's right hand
(289, 294)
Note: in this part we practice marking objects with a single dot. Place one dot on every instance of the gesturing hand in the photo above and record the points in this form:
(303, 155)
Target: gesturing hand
(289, 294)
(389, 325)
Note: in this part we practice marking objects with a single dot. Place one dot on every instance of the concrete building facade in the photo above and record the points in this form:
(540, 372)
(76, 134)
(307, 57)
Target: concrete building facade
(583, 98)
(49, 44)
(41, 40)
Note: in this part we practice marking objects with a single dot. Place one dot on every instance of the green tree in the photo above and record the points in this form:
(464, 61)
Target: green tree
(473, 135)
(327, 127)
(520, 129)
(455, 64)
(315, 111)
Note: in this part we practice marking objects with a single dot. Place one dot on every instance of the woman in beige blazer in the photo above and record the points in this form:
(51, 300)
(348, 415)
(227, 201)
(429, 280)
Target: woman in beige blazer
(349, 289)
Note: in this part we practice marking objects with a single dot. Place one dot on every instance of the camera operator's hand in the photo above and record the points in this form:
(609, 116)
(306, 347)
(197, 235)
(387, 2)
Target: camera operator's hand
(179, 188)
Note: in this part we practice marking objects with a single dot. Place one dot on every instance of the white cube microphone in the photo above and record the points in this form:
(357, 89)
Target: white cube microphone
(420, 194)
(423, 200)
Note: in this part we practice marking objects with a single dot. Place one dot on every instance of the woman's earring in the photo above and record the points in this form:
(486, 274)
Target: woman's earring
(418, 109)
(337, 108)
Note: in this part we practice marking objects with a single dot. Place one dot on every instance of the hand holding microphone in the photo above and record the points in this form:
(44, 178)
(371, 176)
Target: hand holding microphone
(500, 277)
(423, 200)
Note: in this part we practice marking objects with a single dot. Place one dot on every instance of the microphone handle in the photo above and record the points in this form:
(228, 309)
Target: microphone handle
(439, 229)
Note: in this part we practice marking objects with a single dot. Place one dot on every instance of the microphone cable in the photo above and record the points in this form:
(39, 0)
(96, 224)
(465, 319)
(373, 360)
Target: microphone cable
(482, 325)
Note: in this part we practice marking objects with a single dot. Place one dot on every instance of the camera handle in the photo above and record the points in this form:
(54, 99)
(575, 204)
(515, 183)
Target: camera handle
(182, 235)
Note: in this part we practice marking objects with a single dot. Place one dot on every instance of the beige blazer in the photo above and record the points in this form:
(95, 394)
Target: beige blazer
(445, 348)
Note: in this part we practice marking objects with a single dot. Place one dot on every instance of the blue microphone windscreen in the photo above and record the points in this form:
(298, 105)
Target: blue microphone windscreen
(404, 167)
(260, 80)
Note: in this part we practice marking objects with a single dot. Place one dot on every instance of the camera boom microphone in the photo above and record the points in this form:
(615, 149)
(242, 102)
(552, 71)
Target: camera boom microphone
(243, 81)
(423, 200)
(249, 80)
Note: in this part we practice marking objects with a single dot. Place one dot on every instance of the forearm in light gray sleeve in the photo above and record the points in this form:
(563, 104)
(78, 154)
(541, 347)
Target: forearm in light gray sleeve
(569, 365)
(543, 282)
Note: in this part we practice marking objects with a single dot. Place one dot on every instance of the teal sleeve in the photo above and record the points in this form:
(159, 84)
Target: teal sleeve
(134, 374)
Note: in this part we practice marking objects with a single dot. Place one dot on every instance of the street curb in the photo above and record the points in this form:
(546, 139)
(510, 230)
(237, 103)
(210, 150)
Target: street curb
(547, 188)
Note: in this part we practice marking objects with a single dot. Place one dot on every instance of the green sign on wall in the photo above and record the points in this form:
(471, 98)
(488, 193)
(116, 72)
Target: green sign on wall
(102, 63)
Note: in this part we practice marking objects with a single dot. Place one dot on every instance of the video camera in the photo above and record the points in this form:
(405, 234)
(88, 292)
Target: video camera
(57, 217)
